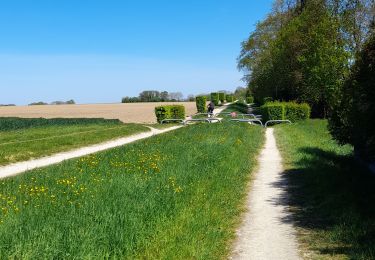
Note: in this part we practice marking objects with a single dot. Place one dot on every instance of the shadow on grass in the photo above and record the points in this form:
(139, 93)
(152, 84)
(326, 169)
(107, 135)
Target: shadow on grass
(333, 198)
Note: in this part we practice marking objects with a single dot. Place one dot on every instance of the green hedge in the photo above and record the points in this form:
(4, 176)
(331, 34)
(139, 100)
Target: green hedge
(285, 111)
(250, 100)
(215, 98)
(222, 97)
(15, 123)
(170, 112)
(200, 102)
(295, 112)
(273, 111)
(229, 98)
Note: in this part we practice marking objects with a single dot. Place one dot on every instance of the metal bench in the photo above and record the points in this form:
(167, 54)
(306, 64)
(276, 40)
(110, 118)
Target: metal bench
(277, 121)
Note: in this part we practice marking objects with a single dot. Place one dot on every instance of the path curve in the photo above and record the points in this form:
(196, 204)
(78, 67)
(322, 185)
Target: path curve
(18, 168)
(267, 230)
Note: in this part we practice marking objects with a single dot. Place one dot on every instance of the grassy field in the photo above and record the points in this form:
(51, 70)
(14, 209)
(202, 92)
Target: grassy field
(32, 142)
(173, 196)
(332, 196)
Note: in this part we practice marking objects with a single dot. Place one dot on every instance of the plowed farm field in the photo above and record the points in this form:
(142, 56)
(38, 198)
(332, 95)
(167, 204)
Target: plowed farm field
(127, 113)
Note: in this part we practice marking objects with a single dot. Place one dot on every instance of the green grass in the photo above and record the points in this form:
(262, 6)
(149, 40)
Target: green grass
(174, 196)
(163, 126)
(33, 142)
(237, 107)
(333, 198)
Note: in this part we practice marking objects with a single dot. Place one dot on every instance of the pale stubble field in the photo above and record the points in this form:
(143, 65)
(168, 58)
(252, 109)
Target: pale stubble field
(127, 113)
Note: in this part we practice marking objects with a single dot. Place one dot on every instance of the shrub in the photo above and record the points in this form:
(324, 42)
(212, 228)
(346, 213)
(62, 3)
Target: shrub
(250, 100)
(215, 98)
(273, 111)
(222, 97)
(169, 112)
(285, 111)
(295, 112)
(267, 99)
(200, 102)
(230, 98)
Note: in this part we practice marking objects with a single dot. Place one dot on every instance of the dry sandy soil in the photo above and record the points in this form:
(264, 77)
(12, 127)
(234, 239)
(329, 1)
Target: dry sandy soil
(128, 113)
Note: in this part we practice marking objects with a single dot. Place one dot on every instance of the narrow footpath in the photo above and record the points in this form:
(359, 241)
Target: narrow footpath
(267, 230)
(18, 168)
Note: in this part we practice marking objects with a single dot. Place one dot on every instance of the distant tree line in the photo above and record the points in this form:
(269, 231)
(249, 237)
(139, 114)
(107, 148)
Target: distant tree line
(156, 96)
(69, 102)
(7, 105)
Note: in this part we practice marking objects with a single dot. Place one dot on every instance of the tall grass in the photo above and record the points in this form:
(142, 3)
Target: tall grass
(173, 196)
(332, 196)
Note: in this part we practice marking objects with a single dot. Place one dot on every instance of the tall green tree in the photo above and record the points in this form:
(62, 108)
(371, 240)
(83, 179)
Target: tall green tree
(303, 50)
(352, 120)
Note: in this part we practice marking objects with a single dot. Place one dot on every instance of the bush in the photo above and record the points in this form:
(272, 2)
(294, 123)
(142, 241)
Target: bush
(250, 100)
(200, 102)
(230, 98)
(273, 111)
(295, 112)
(285, 111)
(267, 99)
(222, 97)
(215, 98)
(169, 112)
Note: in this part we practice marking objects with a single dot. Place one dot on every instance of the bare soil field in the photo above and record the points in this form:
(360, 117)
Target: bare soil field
(127, 113)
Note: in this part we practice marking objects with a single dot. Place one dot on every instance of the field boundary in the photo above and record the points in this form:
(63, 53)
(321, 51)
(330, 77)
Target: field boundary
(20, 167)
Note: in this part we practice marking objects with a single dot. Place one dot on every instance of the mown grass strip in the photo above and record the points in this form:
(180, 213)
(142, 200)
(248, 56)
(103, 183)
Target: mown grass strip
(173, 196)
(332, 196)
(35, 142)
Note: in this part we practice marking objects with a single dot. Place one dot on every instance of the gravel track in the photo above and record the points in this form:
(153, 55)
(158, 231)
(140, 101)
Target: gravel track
(267, 230)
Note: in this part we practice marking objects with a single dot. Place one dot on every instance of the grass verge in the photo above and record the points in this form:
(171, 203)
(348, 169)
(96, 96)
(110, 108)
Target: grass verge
(33, 142)
(332, 196)
(174, 196)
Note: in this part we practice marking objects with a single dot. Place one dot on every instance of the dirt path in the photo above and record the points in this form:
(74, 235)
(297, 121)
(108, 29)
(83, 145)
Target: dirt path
(267, 231)
(17, 168)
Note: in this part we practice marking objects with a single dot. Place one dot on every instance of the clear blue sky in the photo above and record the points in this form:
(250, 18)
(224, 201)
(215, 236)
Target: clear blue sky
(98, 51)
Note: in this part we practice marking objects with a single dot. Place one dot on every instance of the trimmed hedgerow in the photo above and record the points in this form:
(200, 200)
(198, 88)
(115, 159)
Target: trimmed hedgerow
(229, 98)
(169, 112)
(200, 102)
(295, 112)
(222, 97)
(249, 99)
(273, 111)
(215, 98)
(285, 110)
